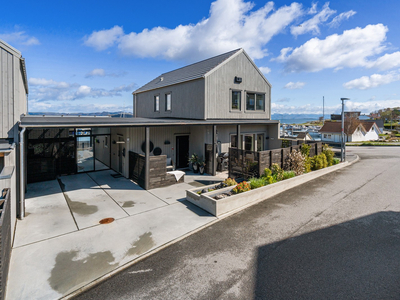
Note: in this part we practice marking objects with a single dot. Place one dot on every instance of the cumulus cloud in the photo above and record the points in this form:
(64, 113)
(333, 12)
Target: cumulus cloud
(294, 85)
(47, 89)
(265, 70)
(386, 62)
(364, 107)
(375, 80)
(103, 39)
(19, 37)
(103, 73)
(351, 49)
(340, 18)
(312, 25)
(231, 24)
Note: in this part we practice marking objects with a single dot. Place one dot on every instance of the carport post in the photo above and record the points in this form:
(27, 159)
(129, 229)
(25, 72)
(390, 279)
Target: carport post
(147, 159)
(214, 152)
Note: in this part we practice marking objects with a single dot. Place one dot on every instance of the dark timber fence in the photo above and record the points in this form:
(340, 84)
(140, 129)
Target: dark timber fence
(5, 238)
(245, 164)
(158, 176)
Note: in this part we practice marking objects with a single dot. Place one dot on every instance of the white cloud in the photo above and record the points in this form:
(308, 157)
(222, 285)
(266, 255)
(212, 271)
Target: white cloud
(343, 16)
(387, 61)
(103, 73)
(364, 107)
(19, 37)
(312, 25)
(265, 70)
(375, 80)
(104, 39)
(350, 49)
(231, 24)
(44, 90)
(96, 72)
(294, 85)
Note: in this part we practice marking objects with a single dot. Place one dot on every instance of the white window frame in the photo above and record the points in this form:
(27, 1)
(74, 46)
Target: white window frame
(157, 103)
(168, 102)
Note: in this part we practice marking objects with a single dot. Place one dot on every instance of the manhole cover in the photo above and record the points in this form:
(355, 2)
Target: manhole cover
(107, 221)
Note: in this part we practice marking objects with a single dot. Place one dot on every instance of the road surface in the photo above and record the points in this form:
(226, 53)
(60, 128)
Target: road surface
(336, 237)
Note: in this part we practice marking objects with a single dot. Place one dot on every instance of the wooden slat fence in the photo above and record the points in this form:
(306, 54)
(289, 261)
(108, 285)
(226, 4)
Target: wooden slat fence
(245, 164)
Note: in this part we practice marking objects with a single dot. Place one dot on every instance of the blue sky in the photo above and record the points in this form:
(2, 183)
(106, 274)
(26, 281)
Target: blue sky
(88, 56)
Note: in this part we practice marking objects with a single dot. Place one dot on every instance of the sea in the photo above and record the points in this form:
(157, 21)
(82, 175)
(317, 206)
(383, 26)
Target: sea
(296, 121)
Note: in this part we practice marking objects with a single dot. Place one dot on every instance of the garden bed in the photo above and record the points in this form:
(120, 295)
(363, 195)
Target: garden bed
(237, 201)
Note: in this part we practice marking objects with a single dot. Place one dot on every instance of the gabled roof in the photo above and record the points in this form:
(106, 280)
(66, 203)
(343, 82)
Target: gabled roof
(336, 127)
(187, 73)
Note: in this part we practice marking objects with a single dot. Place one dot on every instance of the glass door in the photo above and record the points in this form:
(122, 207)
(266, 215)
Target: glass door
(84, 150)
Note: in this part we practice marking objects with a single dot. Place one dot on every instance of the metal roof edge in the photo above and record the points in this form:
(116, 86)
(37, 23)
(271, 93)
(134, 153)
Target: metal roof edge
(175, 83)
(10, 48)
(25, 77)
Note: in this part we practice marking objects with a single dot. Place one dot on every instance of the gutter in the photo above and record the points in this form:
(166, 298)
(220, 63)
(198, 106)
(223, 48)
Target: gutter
(22, 174)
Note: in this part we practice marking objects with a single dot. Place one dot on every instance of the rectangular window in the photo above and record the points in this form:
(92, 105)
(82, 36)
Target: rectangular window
(255, 101)
(236, 100)
(157, 103)
(168, 102)
(260, 101)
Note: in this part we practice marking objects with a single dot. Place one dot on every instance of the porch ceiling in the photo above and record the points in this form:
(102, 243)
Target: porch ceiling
(76, 121)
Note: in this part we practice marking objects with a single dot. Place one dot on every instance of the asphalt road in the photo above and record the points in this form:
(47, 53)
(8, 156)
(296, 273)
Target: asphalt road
(337, 237)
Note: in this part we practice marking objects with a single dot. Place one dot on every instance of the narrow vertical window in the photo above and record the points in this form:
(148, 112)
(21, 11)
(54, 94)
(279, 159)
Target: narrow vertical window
(236, 100)
(168, 102)
(157, 103)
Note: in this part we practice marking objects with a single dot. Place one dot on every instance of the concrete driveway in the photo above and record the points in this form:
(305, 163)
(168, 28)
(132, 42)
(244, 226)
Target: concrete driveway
(60, 246)
(336, 237)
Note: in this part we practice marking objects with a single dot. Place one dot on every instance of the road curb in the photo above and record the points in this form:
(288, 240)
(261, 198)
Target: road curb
(311, 176)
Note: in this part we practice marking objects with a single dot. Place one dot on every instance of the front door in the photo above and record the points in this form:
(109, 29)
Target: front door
(182, 151)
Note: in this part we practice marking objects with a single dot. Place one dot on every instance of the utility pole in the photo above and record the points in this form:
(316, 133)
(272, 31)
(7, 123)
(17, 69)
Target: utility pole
(323, 108)
(343, 144)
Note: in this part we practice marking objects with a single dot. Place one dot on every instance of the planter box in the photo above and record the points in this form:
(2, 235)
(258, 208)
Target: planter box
(235, 202)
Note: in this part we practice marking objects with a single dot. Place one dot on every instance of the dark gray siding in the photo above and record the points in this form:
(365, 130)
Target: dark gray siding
(187, 101)
(220, 83)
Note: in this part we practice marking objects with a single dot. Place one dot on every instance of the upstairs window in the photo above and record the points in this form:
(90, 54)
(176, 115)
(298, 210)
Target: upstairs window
(255, 101)
(236, 100)
(168, 102)
(157, 103)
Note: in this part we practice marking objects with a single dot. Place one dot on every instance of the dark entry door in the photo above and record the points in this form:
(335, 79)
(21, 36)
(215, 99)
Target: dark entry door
(182, 151)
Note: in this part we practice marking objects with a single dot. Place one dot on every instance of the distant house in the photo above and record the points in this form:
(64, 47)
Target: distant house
(305, 136)
(354, 131)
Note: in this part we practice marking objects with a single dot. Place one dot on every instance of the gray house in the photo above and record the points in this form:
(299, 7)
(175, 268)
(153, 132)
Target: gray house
(200, 108)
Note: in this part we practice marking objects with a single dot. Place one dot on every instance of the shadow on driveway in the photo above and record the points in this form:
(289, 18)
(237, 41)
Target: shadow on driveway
(359, 259)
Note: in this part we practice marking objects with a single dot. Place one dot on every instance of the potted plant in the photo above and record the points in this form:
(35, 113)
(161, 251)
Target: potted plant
(201, 165)
(194, 159)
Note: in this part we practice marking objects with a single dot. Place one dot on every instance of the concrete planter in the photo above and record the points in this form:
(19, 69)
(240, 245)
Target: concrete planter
(235, 202)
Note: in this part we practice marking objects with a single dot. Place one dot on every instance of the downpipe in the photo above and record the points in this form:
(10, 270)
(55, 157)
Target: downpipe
(22, 173)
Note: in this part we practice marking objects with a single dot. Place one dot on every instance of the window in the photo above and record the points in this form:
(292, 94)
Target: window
(168, 102)
(249, 141)
(157, 103)
(236, 100)
(255, 101)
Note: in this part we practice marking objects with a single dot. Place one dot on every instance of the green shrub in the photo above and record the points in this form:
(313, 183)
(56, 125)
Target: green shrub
(288, 174)
(295, 161)
(336, 161)
(241, 187)
(267, 172)
(308, 164)
(305, 150)
(270, 179)
(277, 172)
(230, 181)
(257, 182)
(328, 153)
(319, 162)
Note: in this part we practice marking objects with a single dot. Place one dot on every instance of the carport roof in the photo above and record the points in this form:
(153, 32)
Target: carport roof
(77, 121)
